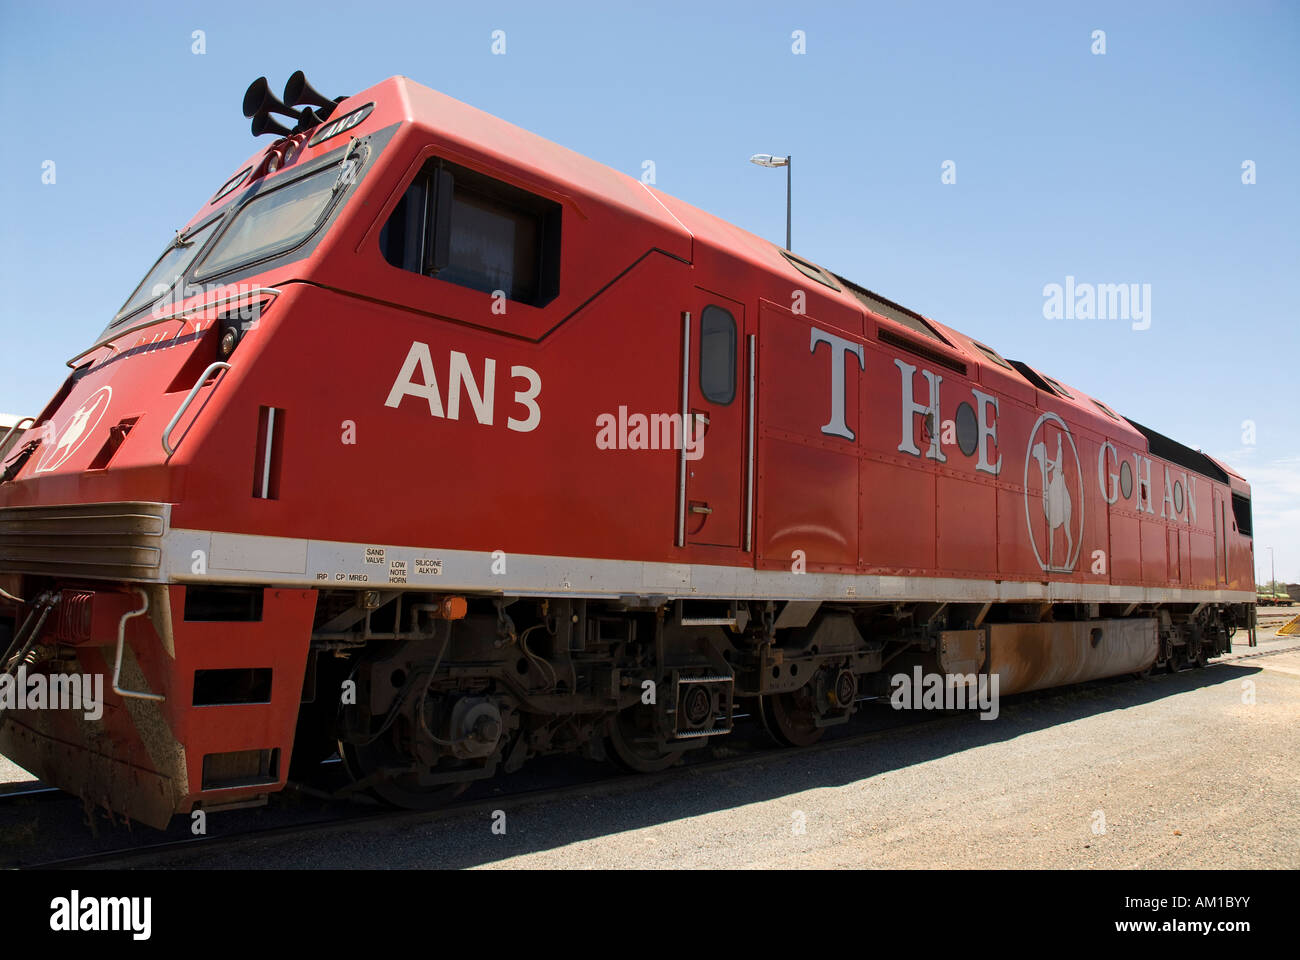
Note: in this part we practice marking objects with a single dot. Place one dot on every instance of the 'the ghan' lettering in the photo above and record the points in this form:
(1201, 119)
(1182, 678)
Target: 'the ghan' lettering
(840, 347)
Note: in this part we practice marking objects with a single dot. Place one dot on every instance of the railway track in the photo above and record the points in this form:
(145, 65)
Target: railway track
(1233, 657)
(750, 747)
(608, 782)
(29, 793)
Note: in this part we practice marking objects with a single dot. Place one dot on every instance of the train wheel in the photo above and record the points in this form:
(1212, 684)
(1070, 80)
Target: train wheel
(789, 718)
(364, 760)
(631, 742)
(1200, 660)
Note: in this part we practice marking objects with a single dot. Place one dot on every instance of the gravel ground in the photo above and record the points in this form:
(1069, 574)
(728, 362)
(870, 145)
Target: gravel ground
(1188, 776)
(10, 772)
(1183, 771)
(1180, 772)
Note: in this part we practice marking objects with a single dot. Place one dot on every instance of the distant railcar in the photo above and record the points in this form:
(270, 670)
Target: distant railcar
(436, 444)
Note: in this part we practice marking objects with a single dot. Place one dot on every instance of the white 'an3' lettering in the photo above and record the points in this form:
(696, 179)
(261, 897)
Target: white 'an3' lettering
(460, 379)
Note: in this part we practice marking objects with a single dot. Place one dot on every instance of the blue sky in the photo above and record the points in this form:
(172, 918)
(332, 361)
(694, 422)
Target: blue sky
(1124, 167)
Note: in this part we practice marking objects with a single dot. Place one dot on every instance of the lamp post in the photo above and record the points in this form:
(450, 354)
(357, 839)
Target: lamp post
(1273, 566)
(767, 160)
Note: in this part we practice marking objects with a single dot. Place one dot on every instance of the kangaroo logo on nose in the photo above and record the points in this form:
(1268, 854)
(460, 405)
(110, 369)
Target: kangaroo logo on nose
(82, 425)
(1061, 489)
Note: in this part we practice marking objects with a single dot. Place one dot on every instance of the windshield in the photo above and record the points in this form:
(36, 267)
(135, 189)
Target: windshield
(170, 267)
(275, 221)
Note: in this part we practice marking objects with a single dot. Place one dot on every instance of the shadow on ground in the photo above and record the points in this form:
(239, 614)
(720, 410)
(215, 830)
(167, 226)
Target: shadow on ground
(700, 789)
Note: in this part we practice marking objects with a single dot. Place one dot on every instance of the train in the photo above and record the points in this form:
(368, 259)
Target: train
(434, 446)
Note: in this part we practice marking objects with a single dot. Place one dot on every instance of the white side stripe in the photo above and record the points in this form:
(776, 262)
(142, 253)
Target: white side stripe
(332, 564)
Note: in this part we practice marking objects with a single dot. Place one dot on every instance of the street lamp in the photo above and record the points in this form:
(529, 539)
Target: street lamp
(767, 160)
(1273, 564)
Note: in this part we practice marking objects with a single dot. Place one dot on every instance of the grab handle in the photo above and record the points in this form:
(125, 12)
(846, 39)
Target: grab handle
(185, 404)
(22, 424)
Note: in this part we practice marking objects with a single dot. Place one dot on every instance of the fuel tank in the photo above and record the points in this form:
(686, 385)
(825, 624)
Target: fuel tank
(1034, 656)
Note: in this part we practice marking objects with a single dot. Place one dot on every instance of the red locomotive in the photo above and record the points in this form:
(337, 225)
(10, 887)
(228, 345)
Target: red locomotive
(434, 443)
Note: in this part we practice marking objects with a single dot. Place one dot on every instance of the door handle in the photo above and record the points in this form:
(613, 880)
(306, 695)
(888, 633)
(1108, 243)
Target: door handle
(701, 508)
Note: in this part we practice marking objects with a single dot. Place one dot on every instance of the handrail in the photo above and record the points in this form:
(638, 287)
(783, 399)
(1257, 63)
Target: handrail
(185, 404)
(750, 454)
(121, 644)
(10, 432)
(180, 315)
(686, 412)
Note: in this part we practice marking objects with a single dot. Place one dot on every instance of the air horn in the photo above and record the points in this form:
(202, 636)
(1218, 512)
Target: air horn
(264, 123)
(260, 103)
(298, 92)
(259, 99)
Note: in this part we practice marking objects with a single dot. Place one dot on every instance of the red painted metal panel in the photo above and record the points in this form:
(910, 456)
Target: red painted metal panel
(1125, 548)
(1015, 555)
(278, 641)
(965, 526)
(1201, 551)
(810, 504)
(898, 517)
(1154, 549)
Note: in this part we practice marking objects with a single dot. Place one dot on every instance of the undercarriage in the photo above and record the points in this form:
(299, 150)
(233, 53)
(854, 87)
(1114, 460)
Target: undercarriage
(420, 706)
(216, 696)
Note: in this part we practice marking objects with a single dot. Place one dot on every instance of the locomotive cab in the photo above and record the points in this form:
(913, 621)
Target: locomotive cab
(201, 686)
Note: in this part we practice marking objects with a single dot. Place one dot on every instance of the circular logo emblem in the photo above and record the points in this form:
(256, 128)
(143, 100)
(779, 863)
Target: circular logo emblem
(1054, 492)
(82, 425)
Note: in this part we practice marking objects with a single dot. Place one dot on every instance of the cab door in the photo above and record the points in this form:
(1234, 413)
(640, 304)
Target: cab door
(712, 501)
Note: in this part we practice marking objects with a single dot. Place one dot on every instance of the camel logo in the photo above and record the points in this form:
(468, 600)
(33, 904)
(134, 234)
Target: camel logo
(1059, 482)
(81, 426)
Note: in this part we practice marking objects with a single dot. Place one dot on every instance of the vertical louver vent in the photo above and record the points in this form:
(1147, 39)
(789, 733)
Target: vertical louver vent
(270, 441)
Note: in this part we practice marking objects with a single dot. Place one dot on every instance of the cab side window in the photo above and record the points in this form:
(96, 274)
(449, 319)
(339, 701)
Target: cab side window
(717, 355)
(466, 228)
